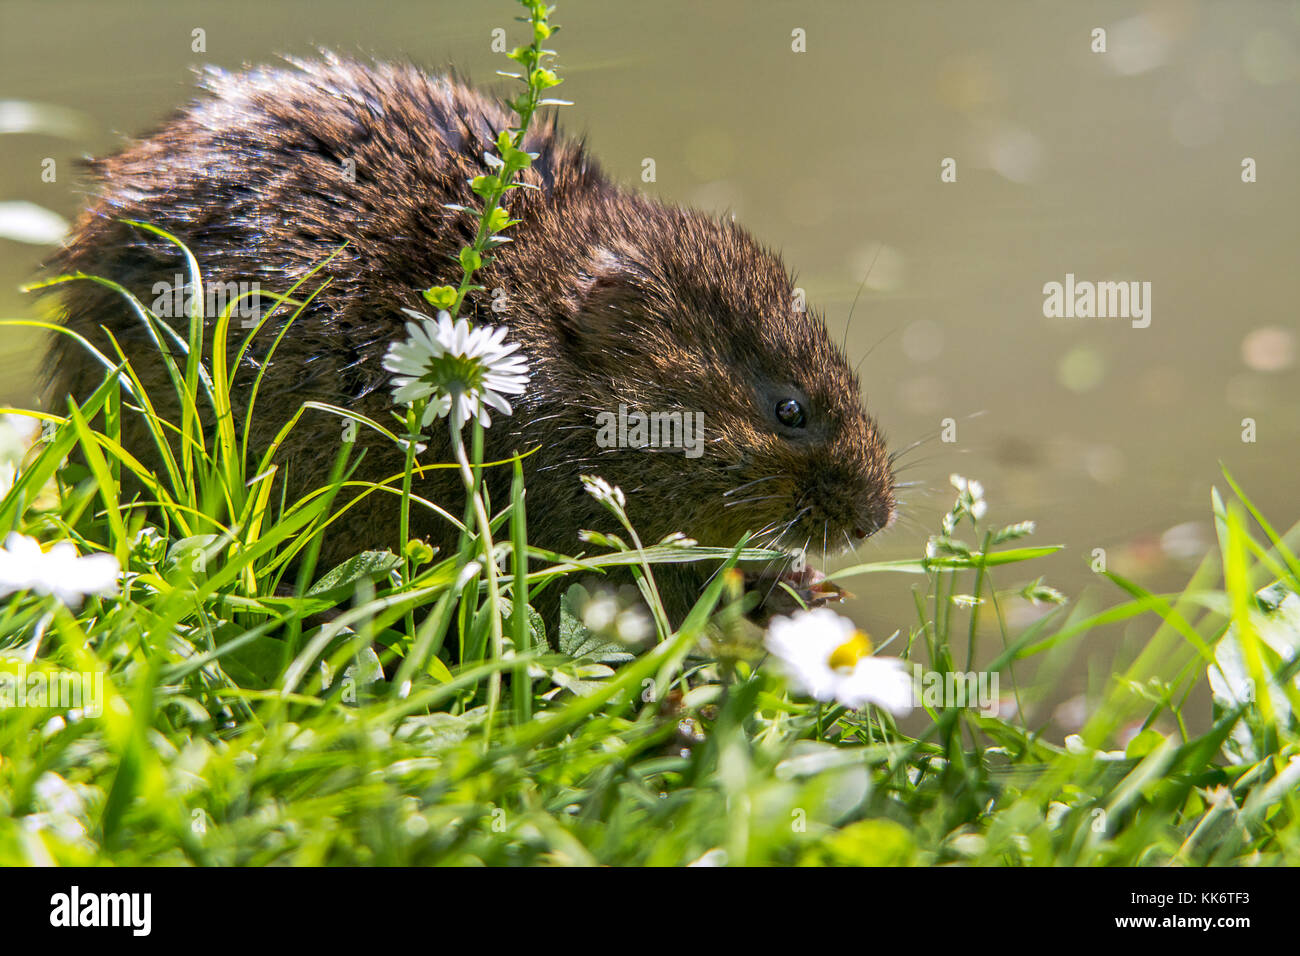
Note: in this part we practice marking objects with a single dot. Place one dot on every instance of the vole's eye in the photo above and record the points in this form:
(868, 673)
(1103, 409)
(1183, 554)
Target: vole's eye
(790, 413)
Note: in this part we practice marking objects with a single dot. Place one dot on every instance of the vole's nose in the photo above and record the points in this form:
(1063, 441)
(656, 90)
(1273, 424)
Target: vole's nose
(874, 523)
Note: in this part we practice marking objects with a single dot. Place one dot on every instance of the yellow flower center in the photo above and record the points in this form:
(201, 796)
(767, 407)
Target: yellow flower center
(846, 656)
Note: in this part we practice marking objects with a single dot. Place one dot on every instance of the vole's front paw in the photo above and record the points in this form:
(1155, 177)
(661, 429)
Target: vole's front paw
(781, 592)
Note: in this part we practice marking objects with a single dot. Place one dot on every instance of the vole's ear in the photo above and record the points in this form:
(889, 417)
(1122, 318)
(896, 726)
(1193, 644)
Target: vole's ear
(602, 298)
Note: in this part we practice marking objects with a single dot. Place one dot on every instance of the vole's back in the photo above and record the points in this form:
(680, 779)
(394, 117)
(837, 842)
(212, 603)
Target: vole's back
(263, 179)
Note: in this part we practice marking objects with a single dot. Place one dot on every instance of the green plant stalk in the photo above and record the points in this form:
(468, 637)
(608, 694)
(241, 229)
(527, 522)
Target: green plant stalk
(308, 566)
(191, 425)
(414, 414)
(975, 607)
(1241, 592)
(512, 160)
(485, 547)
(521, 685)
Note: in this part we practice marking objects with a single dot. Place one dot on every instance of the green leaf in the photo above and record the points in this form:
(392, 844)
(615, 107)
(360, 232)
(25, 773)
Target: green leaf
(192, 555)
(469, 259)
(438, 731)
(1144, 743)
(340, 581)
(979, 559)
(253, 664)
(544, 79)
(440, 296)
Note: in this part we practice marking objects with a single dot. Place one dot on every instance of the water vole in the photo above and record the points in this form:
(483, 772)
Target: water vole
(615, 298)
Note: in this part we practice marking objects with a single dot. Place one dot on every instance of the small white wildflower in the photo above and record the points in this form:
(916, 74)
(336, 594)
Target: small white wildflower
(970, 500)
(601, 540)
(967, 486)
(678, 540)
(1014, 532)
(8, 474)
(59, 571)
(826, 657)
(603, 491)
(461, 370)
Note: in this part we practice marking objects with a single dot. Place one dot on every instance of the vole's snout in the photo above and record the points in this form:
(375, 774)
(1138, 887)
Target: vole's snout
(889, 521)
(873, 507)
(874, 519)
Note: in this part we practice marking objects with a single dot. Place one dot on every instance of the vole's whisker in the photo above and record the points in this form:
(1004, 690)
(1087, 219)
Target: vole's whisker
(862, 285)
(898, 453)
(914, 462)
(768, 527)
(785, 529)
(748, 484)
(732, 504)
(777, 578)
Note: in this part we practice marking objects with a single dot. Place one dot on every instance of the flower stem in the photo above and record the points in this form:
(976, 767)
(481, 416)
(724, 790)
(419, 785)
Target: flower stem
(485, 547)
(413, 415)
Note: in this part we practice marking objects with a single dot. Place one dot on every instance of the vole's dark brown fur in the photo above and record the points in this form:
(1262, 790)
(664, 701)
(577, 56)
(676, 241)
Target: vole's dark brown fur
(614, 297)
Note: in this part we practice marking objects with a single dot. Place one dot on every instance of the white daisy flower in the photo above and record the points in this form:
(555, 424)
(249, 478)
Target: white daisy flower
(460, 369)
(826, 657)
(59, 571)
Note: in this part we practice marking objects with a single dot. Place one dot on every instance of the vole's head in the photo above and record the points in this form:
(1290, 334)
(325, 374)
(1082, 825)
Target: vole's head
(678, 312)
